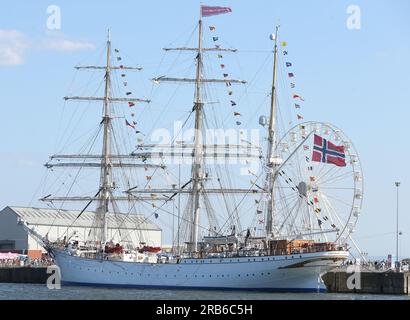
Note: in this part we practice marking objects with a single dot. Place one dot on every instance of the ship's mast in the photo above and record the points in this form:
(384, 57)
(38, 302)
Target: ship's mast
(270, 155)
(197, 163)
(197, 174)
(106, 178)
(105, 161)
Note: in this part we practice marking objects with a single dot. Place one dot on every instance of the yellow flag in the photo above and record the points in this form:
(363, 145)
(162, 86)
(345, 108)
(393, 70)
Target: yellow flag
(284, 43)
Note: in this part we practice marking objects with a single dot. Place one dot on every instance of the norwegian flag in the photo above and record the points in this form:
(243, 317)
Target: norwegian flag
(327, 152)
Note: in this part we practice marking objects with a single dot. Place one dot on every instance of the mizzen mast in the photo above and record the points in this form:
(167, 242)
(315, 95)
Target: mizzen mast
(271, 160)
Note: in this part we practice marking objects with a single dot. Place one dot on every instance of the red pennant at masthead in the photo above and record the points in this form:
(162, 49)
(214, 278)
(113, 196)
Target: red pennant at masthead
(207, 11)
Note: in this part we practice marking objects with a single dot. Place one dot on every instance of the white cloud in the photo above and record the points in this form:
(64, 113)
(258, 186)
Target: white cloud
(64, 45)
(13, 47)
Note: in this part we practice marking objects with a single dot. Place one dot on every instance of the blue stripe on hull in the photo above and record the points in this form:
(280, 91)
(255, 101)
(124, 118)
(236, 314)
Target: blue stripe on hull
(125, 286)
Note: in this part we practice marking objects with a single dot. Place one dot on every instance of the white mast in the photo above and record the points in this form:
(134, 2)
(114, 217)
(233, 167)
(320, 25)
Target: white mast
(106, 161)
(270, 155)
(197, 173)
(197, 163)
(105, 177)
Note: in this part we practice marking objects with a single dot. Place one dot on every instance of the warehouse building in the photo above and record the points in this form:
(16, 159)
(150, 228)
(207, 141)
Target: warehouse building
(57, 224)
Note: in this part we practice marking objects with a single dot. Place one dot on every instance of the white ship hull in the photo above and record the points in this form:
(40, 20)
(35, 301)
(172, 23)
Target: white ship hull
(298, 272)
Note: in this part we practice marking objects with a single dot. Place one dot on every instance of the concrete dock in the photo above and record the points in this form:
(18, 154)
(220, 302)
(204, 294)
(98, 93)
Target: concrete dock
(23, 275)
(368, 282)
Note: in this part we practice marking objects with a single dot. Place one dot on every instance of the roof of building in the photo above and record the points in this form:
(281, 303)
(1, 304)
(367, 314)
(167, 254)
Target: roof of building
(67, 218)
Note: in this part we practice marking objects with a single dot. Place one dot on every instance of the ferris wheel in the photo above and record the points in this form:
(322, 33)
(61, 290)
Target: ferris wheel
(319, 185)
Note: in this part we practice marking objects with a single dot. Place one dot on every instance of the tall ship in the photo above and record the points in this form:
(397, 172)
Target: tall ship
(272, 214)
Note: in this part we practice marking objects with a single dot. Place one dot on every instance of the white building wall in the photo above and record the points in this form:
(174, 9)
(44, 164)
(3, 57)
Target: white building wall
(11, 230)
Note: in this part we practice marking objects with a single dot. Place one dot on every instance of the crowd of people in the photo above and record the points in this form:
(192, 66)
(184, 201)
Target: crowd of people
(379, 265)
(20, 260)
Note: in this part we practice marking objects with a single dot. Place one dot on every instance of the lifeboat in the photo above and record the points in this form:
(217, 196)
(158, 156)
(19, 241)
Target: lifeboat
(150, 249)
(114, 249)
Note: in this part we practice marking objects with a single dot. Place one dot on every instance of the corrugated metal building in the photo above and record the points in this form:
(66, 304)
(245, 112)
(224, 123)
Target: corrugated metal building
(60, 223)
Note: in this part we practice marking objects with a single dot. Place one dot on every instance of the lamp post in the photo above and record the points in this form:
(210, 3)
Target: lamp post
(397, 184)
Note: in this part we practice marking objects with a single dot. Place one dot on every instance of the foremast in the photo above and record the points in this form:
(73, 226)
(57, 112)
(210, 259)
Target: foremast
(106, 160)
(106, 184)
(271, 159)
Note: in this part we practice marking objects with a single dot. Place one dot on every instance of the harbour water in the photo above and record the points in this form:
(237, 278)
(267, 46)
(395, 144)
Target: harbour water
(12, 291)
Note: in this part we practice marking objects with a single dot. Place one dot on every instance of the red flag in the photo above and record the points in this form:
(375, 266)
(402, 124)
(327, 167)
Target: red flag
(131, 104)
(296, 96)
(129, 124)
(207, 11)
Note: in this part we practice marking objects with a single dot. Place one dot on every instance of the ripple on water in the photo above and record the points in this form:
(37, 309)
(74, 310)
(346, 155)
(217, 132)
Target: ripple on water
(13, 291)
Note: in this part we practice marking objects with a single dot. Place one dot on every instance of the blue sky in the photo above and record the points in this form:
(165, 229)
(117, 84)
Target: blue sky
(356, 79)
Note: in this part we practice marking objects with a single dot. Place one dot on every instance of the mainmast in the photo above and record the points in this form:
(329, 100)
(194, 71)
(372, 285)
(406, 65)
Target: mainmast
(197, 174)
(197, 161)
(271, 160)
